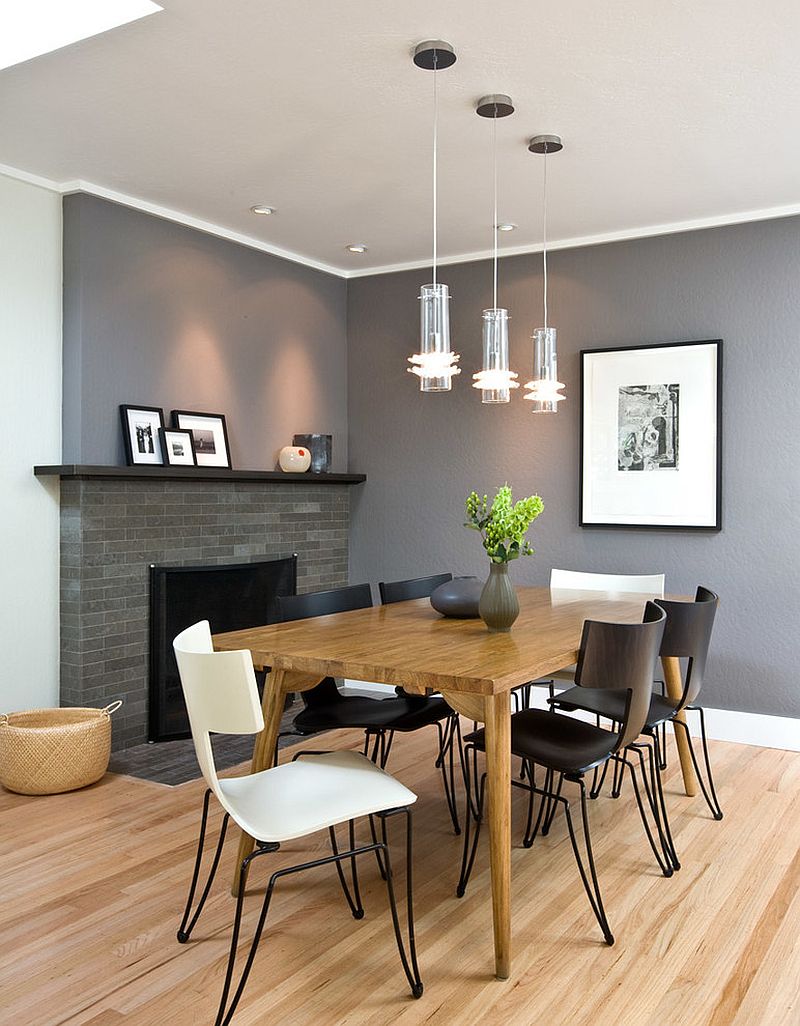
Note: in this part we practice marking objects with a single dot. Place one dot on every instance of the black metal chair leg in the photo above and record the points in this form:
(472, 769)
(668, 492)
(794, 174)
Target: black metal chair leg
(410, 966)
(649, 777)
(386, 747)
(378, 857)
(619, 773)
(447, 739)
(354, 900)
(592, 888)
(664, 864)
(184, 930)
(473, 814)
(709, 793)
(597, 785)
(544, 805)
(658, 762)
(552, 806)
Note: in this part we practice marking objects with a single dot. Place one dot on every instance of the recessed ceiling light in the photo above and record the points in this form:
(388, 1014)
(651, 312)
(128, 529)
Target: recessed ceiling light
(40, 26)
(261, 208)
(507, 226)
(356, 247)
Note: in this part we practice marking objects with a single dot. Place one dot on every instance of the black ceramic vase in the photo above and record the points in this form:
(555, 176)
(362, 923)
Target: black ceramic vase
(458, 598)
(499, 605)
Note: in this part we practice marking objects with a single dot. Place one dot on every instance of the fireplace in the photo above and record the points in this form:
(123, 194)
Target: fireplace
(230, 596)
(116, 522)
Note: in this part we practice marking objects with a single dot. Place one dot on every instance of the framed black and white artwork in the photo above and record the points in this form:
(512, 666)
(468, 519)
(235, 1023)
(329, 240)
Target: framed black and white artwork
(141, 427)
(178, 447)
(210, 436)
(651, 438)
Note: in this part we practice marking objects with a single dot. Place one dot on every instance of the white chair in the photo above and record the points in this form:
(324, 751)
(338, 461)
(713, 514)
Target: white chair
(562, 584)
(317, 792)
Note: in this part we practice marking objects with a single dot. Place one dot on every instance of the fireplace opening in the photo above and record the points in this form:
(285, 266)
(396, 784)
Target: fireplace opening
(231, 597)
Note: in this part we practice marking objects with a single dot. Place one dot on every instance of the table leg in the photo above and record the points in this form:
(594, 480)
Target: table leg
(674, 682)
(498, 782)
(277, 684)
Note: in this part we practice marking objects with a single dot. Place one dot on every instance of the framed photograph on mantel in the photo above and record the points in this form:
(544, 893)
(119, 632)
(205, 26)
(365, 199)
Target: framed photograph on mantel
(210, 436)
(651, 426)
(178, 447)
(141, 428)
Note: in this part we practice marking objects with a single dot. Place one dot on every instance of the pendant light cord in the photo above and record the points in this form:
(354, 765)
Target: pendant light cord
(435, 169)
(494, 215)
(544, 233)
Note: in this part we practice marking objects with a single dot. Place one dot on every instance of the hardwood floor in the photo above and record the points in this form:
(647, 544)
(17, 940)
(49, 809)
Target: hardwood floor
(94, 884)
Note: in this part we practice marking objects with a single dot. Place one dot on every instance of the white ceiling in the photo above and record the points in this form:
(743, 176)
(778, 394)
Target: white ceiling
(673, 113)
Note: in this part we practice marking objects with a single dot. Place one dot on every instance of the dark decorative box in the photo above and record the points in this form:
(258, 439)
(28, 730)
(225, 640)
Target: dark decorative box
(320, 448)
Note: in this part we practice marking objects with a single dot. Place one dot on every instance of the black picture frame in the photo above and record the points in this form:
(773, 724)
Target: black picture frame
(136, 456)
(718, 452)
(182, 419)
(188, 439)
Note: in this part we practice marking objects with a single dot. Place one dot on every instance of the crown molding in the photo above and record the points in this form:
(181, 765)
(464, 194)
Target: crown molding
(577, 242)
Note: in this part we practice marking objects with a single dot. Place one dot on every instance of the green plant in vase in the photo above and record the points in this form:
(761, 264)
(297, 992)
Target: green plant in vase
(503, 527)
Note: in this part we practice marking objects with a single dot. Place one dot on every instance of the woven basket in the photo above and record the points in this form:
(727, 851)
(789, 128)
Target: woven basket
(48, 751)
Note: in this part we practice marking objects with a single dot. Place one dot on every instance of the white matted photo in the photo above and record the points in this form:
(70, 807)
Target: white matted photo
(178, 447)
(141, 427)
(651, 436)
(209, 434)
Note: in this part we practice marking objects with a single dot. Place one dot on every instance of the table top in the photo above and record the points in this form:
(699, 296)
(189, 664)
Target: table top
(409, 643)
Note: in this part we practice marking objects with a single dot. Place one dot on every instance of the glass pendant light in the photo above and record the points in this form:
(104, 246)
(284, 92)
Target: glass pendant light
(495, 380)
(435, 364)
(545, 388)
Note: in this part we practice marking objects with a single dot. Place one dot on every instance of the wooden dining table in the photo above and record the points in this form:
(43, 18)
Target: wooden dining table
(409, 644)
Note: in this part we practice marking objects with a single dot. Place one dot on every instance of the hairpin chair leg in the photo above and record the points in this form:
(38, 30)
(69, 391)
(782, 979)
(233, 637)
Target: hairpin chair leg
(226, 1009)
(658, 763)
(619, 772)
(664, 863)
(448, 735)
(410, 966)
(709, 792)
(354, 900)
(186, 927)
(592, 889)
(651, 776)
(551, 806)
(473, 814)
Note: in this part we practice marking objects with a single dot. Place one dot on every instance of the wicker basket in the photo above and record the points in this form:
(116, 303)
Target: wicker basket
(48, 751)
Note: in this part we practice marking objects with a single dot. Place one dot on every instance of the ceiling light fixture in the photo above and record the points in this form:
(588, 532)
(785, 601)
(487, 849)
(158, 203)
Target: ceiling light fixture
(495, 380)
(36, 27)
(260, 208)
(356, 247)
(507, 226)
(545, 388)
(435, 364)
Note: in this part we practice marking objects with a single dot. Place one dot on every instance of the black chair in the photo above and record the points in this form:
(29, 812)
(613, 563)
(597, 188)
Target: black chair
(415, 588)
(687, 636)
(612, 655)
(326, 708)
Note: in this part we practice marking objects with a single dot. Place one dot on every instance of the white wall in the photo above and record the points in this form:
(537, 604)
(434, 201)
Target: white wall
(30, 433)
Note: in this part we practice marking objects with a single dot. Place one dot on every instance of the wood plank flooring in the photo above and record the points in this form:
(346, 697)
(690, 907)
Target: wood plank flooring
(94, 884)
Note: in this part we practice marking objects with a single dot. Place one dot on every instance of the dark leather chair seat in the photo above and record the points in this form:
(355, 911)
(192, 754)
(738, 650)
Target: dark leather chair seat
(611, 704)
(371, 713)
(558, 742)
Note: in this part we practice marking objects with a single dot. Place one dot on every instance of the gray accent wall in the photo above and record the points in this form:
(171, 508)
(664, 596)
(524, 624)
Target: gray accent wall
(159, 314)
(423, 453)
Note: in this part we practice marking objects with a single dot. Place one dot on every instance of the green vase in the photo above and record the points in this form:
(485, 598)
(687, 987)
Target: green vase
(498, 606)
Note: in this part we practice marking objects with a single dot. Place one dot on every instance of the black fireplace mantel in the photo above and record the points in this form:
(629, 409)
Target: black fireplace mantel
(81, 471)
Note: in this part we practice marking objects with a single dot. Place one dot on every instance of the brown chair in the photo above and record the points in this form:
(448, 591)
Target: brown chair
(612, 655)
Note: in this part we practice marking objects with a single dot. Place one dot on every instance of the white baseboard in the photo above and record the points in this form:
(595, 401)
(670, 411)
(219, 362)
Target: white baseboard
(744, 728)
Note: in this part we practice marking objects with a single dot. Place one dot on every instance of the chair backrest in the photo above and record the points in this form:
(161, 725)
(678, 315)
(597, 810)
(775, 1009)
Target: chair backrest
(576, 580)
(688, 635)
(622, 657)
(322, 603)
(220, 693)
(415, 588)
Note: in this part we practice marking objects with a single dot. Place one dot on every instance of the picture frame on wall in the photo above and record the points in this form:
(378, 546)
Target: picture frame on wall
(177, 446)
(651, 436)
(209, 434)
(141, 432)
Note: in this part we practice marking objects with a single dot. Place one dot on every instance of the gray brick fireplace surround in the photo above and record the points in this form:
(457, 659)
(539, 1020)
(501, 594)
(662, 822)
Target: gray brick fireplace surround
(112, 530)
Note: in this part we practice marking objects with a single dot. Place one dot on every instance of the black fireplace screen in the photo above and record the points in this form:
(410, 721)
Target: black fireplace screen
(230, 597)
